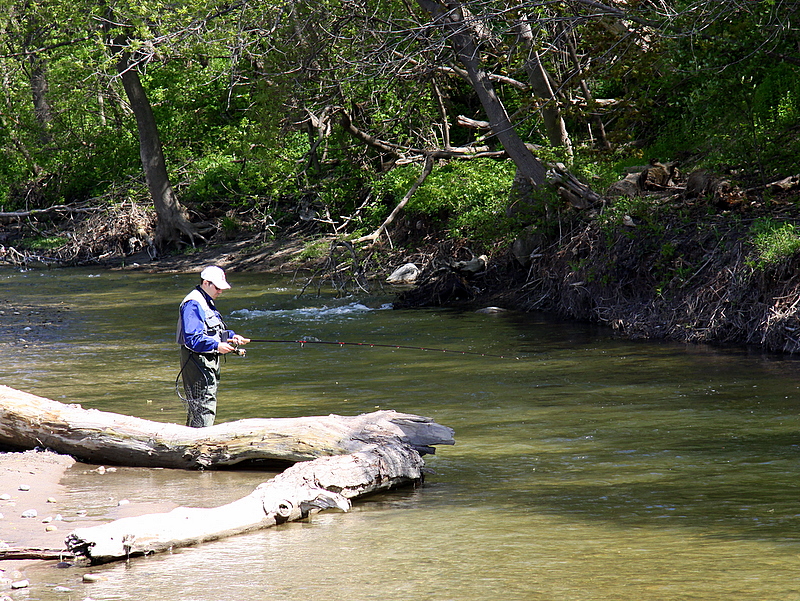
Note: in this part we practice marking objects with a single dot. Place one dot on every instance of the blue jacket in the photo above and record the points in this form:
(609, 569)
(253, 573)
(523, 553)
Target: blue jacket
(200, 325)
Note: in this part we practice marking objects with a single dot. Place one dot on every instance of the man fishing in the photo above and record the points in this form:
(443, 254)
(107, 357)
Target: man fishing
(204, 337)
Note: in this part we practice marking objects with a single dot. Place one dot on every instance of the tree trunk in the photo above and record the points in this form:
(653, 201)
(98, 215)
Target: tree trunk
(28, 421)
(39, 90)
(540, 83)
(292, 495)
(451, 17)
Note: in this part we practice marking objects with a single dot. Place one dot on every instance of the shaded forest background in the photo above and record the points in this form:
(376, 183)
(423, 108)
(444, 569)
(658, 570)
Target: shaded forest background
(438, 132)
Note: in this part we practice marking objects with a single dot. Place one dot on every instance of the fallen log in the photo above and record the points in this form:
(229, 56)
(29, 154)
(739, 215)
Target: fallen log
(304, 488)
(28, 421)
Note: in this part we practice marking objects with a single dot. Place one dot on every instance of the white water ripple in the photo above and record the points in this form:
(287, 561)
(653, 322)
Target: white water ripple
(310, 314)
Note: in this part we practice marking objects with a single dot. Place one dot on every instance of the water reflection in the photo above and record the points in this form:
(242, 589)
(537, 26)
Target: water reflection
(589, 468)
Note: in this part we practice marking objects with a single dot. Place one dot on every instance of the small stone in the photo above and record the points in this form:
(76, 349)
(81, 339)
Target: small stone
(20, 584)
(1, 516)
(47, 520)
(24, 487)
(27, 329)
(92, 577)
(30, 513)
(51, 528)
(58, 518)
(5, 497)
(51, 500)
(122, 502)
(101, 470)
(62, 589)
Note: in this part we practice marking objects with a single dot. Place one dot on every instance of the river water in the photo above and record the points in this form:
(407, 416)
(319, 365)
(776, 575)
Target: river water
(585, 467)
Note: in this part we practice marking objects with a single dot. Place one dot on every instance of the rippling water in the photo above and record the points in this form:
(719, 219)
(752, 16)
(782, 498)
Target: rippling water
(585, 468)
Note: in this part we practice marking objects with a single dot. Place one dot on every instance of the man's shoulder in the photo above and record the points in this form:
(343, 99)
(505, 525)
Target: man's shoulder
(194, 296)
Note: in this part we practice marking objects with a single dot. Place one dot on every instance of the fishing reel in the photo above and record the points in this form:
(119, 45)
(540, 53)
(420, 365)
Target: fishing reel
(236, 350)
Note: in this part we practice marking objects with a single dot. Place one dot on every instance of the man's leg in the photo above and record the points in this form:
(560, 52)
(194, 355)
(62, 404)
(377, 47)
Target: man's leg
(200, 380)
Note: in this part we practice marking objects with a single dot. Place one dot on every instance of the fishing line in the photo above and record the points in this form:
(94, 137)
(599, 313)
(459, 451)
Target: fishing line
(375, 345)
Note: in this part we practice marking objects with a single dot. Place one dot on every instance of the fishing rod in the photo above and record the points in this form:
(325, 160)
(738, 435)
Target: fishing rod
(303, 342)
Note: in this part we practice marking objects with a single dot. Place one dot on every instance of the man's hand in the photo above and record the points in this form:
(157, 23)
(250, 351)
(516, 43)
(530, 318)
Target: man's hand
(239, 340)
(223, 348)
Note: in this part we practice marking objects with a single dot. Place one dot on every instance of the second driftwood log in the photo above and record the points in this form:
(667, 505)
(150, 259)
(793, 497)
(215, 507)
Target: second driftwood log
(304, 488)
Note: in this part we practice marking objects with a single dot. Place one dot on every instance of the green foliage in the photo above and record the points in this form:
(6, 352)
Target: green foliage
(46, 243)
(315, 249)
(722, 95)
(467, 197)
(237, 110)
(639, 209)
(773, 241)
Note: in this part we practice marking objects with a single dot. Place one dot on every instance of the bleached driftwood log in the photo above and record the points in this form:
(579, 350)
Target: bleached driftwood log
(28, 421)
(303, 488)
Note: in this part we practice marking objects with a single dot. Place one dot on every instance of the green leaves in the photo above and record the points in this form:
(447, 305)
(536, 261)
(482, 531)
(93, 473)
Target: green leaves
(773, 242)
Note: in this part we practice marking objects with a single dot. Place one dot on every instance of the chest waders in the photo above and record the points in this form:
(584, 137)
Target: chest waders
(200, 372)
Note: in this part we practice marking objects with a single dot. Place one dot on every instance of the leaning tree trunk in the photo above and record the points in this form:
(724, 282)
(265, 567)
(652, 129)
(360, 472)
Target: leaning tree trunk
(451, 17)
(28, 421)
(173, 220)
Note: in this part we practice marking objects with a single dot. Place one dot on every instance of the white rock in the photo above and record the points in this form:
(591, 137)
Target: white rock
(30, 513)
(20, 584)
(405, 274)
(24, 487)
(5, 497)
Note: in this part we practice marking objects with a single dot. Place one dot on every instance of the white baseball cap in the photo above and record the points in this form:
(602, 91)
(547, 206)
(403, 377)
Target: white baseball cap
(216, 276)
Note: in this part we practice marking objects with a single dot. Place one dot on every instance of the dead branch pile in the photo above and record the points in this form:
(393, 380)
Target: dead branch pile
(119, 230)
(90, 234)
